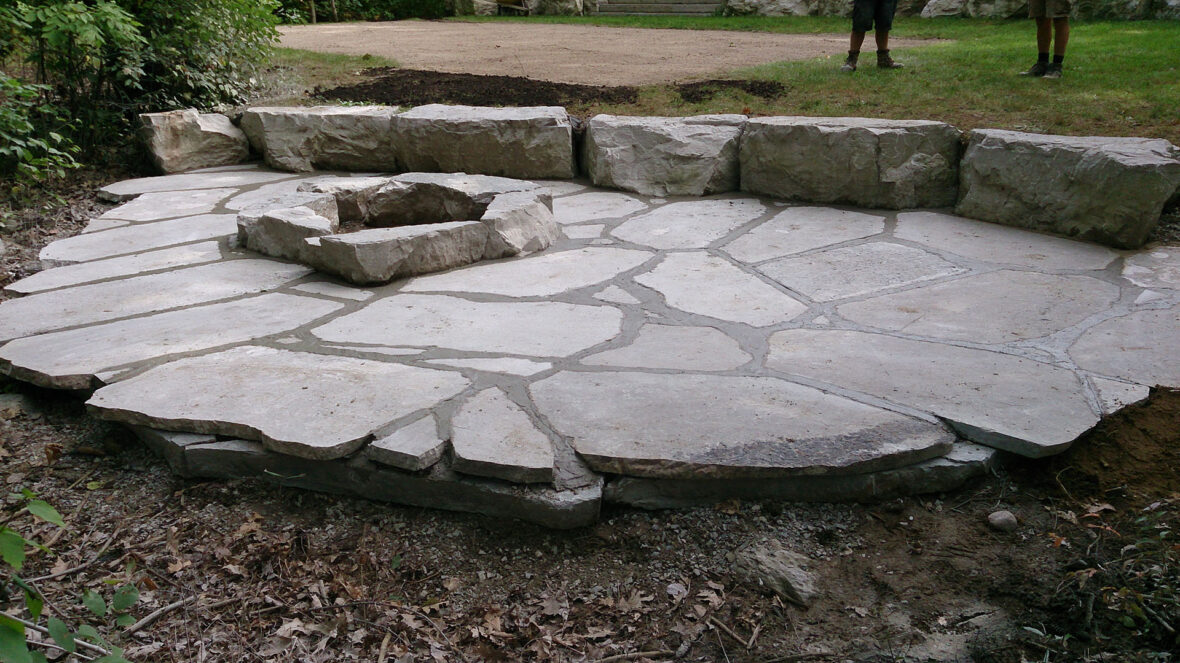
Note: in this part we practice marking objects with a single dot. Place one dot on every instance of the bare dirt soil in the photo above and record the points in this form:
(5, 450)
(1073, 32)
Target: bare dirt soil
(246, 571)
(589, 55)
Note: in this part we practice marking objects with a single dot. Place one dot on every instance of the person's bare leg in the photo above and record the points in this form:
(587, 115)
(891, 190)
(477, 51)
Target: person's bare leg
(1044, 34)
(856, 41)
(1060, 36)
(882, 40)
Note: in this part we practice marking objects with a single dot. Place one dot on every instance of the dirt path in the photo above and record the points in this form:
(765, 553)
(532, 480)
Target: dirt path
(564, 53)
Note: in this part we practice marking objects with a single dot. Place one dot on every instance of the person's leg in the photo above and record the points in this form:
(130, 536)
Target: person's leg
(1060, 41)
(1044, 34)
(862, 22)
(882, 40)
(856, 41)
(884, 22)
(1038, 11)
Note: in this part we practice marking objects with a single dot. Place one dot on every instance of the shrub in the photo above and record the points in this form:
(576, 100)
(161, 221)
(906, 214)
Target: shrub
(298, 11)
(30, 148)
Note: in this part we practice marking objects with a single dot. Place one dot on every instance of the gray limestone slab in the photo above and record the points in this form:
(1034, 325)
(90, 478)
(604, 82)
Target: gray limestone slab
(676, 348)
(519, 222)
(590, 231)
(281, 232)
(711, 427)
(507, 365)
(595, 206)
(286, 193)
(964, 462)
(352, 193)
(170, 445)
(616, 295)
(380, 255)
(301, 138)
(99, 302)
(996, 307)
(440, 488)
(481, 188)
(308, 405)
(689, 225)
(139, 238)
(1140, 347)
(212, 179)
(1157, 268)
(560, 187)
(707, 285)
(1003, 245)
(413, 447)
(857, 270)
(99, 225)
(99, 270)
(1004, 401)
(799, 229)
(336, 290)
(70, 359)
(183, 140)
(169, 205)
(494, 437)
(1116, 395)
(542, 275)
(538, 329)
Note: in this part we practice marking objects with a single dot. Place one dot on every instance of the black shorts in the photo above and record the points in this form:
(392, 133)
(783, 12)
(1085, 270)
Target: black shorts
(866, 13)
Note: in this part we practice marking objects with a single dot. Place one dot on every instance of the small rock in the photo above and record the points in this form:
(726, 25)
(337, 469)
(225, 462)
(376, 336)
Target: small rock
(1003, 521)
(772, 566)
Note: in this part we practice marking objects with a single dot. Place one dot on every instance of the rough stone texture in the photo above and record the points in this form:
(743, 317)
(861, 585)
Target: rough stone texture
(380, 255)
(99, 302)
(1129, 347)
(352, 194)
(893, 164)
(984, 395)
(308, 405)
(595, 206)
(1116, 395)
(481, 188)
(674, 348)
(857, 270)
(70, 359)
(708, 285)
(99, 270)
(168, 205)
(281, 232)
(1003, 521)
(689, 224)
(170, 445)
(976, 8)
(701, 426)
(1158, 268)
(493, 437)
(664, 156)
(409, 203)
(513, 142)
(538, 329)
(119, 192)
(505, 365)
(997, 307)
(1107, 190)
(788, 8)
(138, 238)
(186, 140)
(988, 242)
(520, 222)
(539, 276)
(301, 139)
(336, 290)
(772, 566)
(799, 229)
(413, 447)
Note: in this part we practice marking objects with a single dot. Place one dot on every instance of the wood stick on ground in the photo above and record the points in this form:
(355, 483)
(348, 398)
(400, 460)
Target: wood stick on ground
(384, 648)
(658, 653)
(728, 631)
(82, 567)
(44, 631)
(156, 614)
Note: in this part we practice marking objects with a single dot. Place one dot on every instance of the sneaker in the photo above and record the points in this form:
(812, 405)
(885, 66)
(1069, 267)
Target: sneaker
(1053, 71)
(1037, 70)
(886, 62)
(849, 65)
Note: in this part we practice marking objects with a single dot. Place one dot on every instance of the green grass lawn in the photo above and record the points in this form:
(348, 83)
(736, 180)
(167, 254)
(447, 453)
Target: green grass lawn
(1121, 78)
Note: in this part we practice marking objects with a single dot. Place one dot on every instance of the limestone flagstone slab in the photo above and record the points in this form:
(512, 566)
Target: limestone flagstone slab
(524, 142)
(71, 359)
(380, 255)
(98, 302)
(183, 140)
(675, 348)
(1004, 245)
(288, 193)
(494, 437)
(352, 194)
(413, 447)
(537, 329)
(1001, 400)
(662, 156)
(708, 285)
(616, 295)
(537, 276)
(98, 270)
(892, 164)
(595, 206)
(1157, 268)
(799, 229)
(98, 225)
(507, 365)
(561, 187)
(169, 205)
(1140, 347)
(996, 307)
(281, 232)
(591, 231)
(337, 290)
(139, 238)
(1116, 395)
(245, 176)
(1102, 189)
(519, 222)
(689, 225)
(703, 426)
(857, 270)
(308, 405)
(301, 139)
